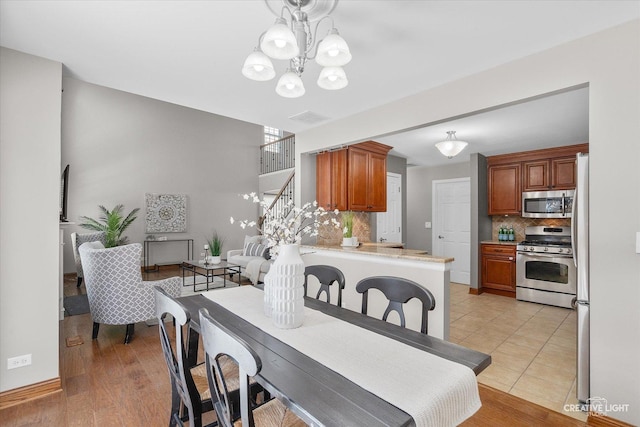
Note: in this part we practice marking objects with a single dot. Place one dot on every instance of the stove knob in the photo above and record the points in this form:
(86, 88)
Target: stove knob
(560, 250)
(546, 249)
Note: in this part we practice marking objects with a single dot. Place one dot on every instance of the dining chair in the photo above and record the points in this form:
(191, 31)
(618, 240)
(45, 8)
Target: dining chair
(327, 275)
(220, 342)
(398, 291)
(189, 385)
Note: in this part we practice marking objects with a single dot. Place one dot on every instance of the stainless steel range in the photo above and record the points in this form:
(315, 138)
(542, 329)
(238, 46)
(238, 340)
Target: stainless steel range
(545, 271)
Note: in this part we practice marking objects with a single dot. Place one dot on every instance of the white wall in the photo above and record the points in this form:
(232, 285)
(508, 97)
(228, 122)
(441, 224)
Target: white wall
(29, 216)
(610, 63)
(121, 146)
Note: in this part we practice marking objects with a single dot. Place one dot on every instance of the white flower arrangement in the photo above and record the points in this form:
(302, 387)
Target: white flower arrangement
(289, 225)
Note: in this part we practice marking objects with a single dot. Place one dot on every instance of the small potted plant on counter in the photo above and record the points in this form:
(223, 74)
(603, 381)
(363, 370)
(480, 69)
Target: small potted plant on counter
(215, 246)
(347, 230)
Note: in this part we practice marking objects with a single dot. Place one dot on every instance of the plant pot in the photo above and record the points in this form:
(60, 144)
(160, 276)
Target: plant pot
(348, 241)
(214, 259)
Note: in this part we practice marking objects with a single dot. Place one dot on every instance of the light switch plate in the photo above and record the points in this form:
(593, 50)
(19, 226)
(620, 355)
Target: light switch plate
(427, 224)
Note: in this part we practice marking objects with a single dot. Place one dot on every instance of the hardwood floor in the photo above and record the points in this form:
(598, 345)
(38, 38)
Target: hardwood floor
(108, 383)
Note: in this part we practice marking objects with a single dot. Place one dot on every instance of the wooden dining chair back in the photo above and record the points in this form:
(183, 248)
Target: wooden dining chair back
(327, 275)
(186, 396)
(220, 342)
(398, 291)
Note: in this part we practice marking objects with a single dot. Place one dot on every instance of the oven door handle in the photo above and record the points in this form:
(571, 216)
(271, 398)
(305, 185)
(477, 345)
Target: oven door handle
(539, 255)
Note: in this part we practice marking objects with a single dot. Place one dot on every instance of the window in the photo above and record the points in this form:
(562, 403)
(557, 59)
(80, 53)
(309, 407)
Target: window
(270, 135)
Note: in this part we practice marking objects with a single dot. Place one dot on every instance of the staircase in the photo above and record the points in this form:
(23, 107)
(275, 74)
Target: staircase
(282, 204)
(278, 155)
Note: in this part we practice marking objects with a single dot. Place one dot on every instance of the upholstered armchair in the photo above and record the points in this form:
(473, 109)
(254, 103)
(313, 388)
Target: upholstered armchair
(115, 289)
(77, 240)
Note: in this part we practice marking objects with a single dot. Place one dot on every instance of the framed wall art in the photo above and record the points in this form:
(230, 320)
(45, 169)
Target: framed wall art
(166, 213)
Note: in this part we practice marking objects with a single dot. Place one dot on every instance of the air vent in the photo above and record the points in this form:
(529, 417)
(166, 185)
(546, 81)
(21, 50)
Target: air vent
(308, 117)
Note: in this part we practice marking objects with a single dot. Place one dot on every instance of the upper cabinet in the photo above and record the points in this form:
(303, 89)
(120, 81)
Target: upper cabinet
(354, 178)
(550, 174)
(539, 170)
(505, 191)
(331, 180)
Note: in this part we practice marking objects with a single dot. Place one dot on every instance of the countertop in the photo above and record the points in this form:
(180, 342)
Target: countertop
(498, 242)
(383, 249)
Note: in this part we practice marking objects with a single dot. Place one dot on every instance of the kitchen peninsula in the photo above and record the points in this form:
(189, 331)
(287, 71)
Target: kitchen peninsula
(379, 260)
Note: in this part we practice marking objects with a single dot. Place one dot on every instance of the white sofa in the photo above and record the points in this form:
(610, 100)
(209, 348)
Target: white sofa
(254, 267)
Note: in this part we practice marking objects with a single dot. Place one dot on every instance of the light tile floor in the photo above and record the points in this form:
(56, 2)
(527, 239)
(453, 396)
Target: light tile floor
(532, 346)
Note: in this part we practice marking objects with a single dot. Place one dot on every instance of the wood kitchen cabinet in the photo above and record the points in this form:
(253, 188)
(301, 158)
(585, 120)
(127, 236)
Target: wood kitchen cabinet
(331, 180)
(505, 191)
(498, 267)
(367, 180)
(551, 174)
(353, 178)
(508, 175)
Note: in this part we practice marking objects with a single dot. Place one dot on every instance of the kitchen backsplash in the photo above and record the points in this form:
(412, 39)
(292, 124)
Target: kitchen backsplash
(328, 235)
(519, 224)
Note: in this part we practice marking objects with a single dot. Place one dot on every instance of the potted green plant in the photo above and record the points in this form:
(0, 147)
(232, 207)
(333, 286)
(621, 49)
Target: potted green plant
(215, 246)
(347, 229)
(112, 223)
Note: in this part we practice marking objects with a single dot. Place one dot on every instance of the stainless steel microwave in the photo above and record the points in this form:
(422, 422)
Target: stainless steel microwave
(547, 204)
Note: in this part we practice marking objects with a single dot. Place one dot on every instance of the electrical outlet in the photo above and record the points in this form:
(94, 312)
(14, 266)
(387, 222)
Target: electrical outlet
(19, 361)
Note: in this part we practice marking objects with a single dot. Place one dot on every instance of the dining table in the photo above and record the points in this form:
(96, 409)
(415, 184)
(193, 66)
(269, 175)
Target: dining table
(375, 374)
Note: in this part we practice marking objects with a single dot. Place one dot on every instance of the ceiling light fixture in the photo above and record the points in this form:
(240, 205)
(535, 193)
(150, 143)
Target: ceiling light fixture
(295, 42)
(451, 146)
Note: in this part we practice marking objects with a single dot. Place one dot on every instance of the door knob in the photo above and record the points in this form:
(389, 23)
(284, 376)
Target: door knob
(440, 237)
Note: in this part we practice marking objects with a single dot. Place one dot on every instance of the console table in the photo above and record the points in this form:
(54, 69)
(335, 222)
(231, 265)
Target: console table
(146, 249)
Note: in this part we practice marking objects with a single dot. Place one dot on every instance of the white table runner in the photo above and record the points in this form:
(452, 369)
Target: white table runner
(433, 390)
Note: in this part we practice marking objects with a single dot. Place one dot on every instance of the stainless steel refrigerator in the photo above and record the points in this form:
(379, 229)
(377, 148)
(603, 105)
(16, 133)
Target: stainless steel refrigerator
(580, 242)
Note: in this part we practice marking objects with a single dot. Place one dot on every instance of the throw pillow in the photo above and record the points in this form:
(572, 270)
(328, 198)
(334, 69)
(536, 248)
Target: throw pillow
(252, 239)
(256, 249)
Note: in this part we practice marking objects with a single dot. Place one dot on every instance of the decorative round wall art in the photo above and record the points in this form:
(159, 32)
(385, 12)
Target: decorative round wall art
(166, 213)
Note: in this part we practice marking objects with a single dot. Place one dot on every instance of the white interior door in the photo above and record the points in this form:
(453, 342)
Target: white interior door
(389, 223)
(452, 225)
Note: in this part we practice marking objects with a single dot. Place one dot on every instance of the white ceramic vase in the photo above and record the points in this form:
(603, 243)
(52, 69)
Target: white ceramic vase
(268, 281)
(286, 288)
(214, 259)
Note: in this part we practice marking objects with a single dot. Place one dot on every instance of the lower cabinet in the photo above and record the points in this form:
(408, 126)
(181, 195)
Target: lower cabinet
(498, 265)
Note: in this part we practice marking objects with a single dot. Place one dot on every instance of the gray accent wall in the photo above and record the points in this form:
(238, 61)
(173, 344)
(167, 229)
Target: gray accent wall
(29, 216)
(419, 200)
(121, 146)
(480, 221)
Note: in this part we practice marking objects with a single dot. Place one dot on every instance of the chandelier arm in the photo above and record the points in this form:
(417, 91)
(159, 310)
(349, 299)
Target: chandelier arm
(315, 34)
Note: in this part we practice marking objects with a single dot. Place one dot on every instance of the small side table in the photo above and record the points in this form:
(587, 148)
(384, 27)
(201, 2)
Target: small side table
(198, 268)
(146, 249)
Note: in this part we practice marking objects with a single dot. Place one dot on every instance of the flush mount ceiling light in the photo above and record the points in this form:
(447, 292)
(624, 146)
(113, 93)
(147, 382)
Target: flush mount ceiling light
(295, 41)
(451, 146)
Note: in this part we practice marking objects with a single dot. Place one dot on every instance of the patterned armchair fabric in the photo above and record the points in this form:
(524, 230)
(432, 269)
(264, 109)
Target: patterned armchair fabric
(77, 240)
(115, 289)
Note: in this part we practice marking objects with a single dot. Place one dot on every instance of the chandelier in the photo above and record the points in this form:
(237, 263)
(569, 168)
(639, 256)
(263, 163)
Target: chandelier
(451, 146)
(295, 41)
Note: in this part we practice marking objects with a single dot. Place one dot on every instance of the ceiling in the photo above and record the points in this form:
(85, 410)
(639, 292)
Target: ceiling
(190, 53)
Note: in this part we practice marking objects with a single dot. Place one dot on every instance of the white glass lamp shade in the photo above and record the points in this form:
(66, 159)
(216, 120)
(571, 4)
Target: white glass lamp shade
(451, 147)
(290, 85)
(279, 42)
(332, 78)
(258, 67)
(333, 51)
